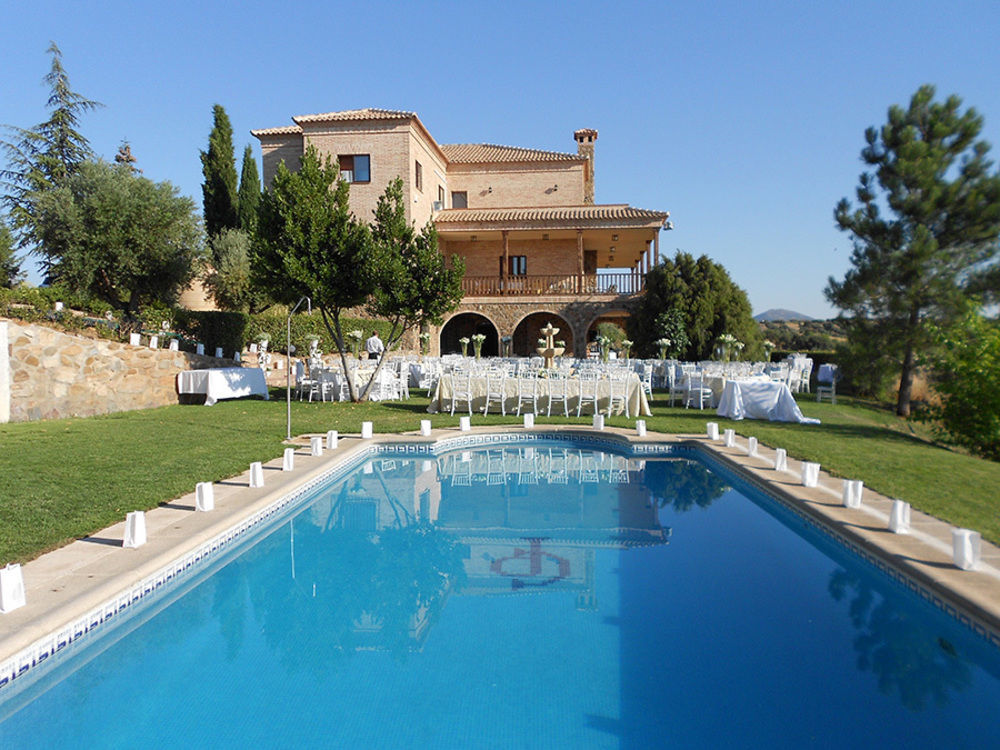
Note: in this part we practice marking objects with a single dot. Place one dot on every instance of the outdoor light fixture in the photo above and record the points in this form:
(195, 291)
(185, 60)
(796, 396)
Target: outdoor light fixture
(614, 238)
(473, 238)
(555, 188)
(545, 236)
(489, 189)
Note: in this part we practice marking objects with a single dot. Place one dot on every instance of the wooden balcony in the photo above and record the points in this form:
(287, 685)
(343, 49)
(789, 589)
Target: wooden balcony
(604, 284)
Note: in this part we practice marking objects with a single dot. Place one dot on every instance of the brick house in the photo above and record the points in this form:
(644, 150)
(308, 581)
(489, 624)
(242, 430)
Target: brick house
(536, 247)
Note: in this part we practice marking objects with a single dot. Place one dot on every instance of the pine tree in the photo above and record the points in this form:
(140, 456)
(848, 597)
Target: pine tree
(124, 156)
(45, 156)
(219, 169)
(928, 220)
(249, 193)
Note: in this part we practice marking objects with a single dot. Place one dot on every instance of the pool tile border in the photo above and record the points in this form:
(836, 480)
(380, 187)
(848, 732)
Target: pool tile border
(39, 652)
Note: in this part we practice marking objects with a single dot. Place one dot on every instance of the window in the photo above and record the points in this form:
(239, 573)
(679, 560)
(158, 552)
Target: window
(517, 265)
(355, 167)
(419, 179)
(459, 199)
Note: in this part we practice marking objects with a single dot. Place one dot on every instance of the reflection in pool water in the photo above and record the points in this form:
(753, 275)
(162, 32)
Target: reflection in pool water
(531, 596)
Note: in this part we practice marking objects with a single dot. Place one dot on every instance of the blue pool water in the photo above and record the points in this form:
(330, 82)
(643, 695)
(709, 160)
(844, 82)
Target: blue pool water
(523, 598)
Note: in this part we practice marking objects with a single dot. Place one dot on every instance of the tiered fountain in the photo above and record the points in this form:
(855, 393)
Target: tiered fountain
(550, 351)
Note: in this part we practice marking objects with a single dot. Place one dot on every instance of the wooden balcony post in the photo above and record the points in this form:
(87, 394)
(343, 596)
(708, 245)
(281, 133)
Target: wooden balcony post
(656, 248)
(506, 261)
(579, 261)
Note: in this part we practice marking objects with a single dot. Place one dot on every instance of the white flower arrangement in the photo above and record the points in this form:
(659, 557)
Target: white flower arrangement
(478, 338)
(542, 342)
(464, 340)
(561, 344)
(425, 336)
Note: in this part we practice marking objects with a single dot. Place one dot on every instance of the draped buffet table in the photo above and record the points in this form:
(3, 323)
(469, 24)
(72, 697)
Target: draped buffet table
(223, 382)
(760, 399)
(638, 405)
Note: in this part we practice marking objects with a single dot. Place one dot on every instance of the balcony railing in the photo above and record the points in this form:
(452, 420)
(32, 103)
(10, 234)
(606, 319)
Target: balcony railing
(614, 284)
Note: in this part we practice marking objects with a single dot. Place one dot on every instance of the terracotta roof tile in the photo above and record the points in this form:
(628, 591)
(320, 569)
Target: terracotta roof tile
(477, 153)
(567, 217)
(284, 130)
(368, 113)
(606, 212)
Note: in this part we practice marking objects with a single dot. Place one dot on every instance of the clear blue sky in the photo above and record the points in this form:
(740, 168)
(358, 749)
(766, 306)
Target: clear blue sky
(744, 120)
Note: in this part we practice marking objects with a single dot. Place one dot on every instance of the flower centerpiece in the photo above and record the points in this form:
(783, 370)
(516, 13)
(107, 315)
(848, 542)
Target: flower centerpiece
(604, 344)
(477, 344)
(663, 345)
(768, 348)
(355, 338)
(727, 343)
(626, 347)
(464, 343)
(506, 345)
(425, 340)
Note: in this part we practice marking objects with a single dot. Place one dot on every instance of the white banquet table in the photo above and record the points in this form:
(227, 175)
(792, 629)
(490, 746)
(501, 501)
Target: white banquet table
(756, 399)
(638, 405)
(223, 382)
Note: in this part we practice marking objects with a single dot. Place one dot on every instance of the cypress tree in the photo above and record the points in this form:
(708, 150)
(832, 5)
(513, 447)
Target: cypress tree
(249, 193)
(218, 165)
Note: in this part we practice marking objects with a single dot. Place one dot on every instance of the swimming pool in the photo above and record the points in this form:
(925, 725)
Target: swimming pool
(526, 596)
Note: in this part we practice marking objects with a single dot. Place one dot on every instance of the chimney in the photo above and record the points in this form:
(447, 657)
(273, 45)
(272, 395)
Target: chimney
(585, 147)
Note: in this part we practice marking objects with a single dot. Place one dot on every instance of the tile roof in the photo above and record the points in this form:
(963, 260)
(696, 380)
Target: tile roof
(368, 113)
(604, 212)
(284, 130)
(477, 153)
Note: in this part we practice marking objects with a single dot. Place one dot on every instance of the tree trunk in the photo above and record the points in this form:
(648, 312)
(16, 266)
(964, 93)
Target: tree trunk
(906, 375)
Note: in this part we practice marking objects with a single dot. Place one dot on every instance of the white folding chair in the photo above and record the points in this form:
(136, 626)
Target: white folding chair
(618, 393)
(527, 390)
(589, 390)
(696, 392)
(461, 389)
(496, 384)
(558, 391)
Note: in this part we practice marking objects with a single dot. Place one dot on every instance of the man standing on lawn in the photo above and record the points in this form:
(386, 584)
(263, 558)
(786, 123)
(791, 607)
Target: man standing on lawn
(374, 346)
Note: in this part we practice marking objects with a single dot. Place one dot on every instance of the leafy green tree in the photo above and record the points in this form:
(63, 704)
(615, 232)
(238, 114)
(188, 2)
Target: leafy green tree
(670, 325)
(248, 196)
(229, 279)
(119, 237)
(926, 222)
(218, 165)
(700, 292)
(415, 286)
(965, 366)
(308, 244)
(45, 156)
(10, 265)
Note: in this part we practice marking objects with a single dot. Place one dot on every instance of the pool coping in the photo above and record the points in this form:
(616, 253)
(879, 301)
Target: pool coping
(78, 587)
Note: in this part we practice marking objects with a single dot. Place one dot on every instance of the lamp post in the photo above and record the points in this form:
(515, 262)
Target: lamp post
(288, 371)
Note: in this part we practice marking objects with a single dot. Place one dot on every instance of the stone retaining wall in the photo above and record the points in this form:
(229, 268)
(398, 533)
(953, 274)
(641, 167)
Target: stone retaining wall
(50, 374)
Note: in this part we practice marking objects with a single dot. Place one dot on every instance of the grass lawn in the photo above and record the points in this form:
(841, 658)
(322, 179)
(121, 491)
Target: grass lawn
(67, 478)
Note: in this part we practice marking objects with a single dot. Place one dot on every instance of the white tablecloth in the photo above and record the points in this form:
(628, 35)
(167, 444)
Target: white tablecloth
(756, 399)
(223, 382)
(638, 405)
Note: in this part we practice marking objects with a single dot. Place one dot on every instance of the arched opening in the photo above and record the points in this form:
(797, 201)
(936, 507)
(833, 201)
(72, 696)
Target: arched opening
(466, 325)
(618, 318)
(528, 331)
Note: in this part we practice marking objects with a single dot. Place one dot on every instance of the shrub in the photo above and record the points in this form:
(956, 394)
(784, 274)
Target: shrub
(966, 376)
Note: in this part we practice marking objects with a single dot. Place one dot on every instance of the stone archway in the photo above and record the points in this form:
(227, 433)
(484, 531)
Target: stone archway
(527, 332)
(617, 317)
(465, 325)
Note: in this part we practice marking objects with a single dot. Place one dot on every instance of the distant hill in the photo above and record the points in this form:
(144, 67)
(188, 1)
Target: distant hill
(779, 314)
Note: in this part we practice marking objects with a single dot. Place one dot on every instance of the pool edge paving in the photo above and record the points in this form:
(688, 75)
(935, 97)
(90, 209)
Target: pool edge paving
(67, 588)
